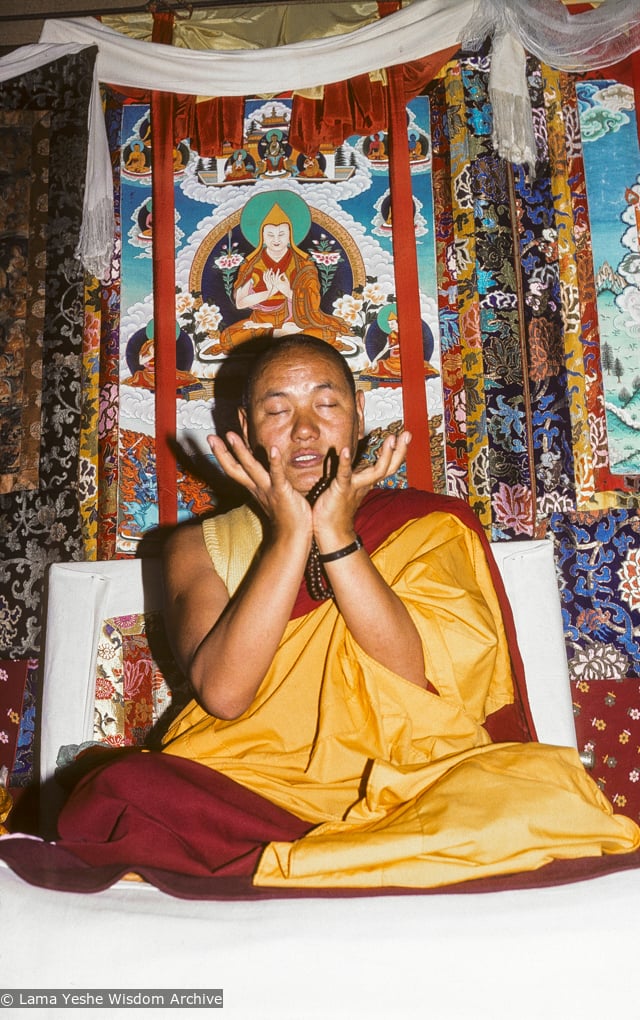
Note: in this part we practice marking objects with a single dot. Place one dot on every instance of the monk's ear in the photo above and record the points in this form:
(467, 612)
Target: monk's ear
(360, 412)
(244, 423)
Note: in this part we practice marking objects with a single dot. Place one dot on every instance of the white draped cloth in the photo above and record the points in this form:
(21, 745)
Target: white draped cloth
(543, 28)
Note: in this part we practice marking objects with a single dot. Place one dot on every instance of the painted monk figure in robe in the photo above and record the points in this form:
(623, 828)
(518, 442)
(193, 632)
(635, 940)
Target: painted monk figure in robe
(279, 285)
(348, 656)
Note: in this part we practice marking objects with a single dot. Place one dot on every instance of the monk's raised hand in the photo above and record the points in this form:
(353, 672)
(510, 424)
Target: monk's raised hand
(391, 457)
(335, 508)
(287, 510)
(238, 462)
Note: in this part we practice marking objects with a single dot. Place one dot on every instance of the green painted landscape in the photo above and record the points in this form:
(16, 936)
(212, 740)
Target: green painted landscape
(612, 166)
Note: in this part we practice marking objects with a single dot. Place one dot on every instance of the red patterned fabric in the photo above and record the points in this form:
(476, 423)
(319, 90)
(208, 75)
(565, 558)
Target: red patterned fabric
(607, 717)
(13, 679)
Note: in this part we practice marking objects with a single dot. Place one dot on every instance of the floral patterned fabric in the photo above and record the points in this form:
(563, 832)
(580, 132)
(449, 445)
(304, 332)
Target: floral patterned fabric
(24, 140)
(521, 374)
(607, 716)
(39, 515)
(13, 679)
(598, 559)
(135, 686)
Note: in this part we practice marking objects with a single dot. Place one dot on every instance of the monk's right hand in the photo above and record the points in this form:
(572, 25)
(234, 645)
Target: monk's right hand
(287, 510)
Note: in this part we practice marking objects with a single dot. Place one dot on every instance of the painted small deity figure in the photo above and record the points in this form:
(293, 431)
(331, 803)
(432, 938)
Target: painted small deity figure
(145, 374)
(416, 150)
(376, 149)
(311, 167)
(238, 168)
(136, 161)
(386, 364)
(274, 156)
(179, 161)
(145, 220)
(632, 198)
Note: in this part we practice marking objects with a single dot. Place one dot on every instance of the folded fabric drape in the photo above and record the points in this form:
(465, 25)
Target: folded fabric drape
(422, 28)
(567, 42)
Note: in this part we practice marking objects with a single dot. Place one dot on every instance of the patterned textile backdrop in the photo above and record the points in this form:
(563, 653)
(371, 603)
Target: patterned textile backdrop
(522, 383)
(598, 557)
(43, 126)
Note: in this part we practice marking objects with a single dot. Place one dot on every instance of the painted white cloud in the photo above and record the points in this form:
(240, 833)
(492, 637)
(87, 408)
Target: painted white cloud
(615, 97)
(629, 304)
(383, 406)
(137, 409)
(195, 414)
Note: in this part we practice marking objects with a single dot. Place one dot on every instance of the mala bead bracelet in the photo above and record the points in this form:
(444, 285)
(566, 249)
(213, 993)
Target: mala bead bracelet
(317, 582)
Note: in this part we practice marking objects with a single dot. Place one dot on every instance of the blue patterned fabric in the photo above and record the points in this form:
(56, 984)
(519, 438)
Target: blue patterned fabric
(598, 560)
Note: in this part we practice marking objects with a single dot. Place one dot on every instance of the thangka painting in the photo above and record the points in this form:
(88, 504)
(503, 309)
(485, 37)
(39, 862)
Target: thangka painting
(269, 241)
(612, 161)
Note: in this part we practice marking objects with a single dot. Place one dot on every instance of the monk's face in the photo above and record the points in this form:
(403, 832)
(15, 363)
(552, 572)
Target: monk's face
(302, 405)
(275, 237)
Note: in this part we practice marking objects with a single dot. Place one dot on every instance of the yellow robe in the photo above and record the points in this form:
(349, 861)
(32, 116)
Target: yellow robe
(403, 784)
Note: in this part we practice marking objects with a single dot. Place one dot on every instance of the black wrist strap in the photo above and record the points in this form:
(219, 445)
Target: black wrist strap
(345, 551)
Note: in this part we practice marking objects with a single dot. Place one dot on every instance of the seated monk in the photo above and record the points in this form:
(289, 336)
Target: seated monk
(356, 718)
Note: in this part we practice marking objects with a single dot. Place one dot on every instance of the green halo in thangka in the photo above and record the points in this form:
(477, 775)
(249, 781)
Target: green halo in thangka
(384, 315)
(259, 206)
(150, 330)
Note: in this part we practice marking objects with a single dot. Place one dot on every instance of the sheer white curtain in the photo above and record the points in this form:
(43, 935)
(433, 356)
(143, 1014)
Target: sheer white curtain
(568, 42)
(546, 29)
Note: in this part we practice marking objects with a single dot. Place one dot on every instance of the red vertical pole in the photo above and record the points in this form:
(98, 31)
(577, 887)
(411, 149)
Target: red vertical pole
(405, 257)
(164, 288)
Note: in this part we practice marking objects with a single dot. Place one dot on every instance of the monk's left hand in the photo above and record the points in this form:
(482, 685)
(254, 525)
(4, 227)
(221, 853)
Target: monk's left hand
(334, 511)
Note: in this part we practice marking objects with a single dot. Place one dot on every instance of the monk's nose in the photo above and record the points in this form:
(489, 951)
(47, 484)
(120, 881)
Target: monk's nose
(305, 425)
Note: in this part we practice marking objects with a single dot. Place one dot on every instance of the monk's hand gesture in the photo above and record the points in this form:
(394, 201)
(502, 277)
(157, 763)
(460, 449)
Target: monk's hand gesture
(288, 511)
(335, 509)
(283, 286)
